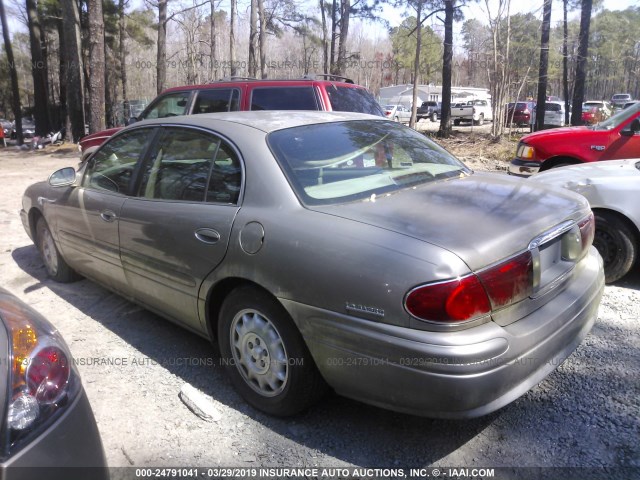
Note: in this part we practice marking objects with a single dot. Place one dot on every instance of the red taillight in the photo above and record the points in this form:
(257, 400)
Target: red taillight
(526, 111)
(48, 374)
(587, 230)
(510, 281)
(453, 301)
(387, 113)
(474, 295)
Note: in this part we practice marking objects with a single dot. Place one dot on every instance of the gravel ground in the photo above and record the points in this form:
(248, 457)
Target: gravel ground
(584, 414)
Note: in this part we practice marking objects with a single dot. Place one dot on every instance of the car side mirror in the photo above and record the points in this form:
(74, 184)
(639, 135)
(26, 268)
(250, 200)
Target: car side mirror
(634, 128)
(64, 177)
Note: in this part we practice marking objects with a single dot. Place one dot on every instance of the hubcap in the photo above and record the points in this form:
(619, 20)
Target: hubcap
(259, 353)
(49, 252)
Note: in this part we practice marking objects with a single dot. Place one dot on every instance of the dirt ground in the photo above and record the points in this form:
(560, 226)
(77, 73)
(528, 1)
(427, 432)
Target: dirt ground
(133, 365)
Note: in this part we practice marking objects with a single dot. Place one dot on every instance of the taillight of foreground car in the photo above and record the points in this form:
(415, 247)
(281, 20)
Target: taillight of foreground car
(474, 295)
(42, 378)
(587, 228)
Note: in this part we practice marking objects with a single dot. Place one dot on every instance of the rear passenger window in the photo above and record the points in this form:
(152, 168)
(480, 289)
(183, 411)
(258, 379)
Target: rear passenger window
(348, 99)
(288, 98)
(192, 166)
(217, 100)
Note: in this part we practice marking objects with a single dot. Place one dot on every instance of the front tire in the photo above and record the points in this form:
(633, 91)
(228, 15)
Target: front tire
(265, 355)
(56, 267)
(617, 245)
(434, 117)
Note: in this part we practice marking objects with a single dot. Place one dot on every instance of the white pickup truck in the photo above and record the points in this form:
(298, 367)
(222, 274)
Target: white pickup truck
(476, 111)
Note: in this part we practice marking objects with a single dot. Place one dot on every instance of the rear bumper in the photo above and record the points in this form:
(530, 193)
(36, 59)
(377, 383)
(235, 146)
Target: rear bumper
(69, 449)
(521, 168)
(461, 374)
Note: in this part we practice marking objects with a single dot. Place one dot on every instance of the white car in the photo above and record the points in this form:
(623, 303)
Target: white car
(553, 114)
(398, 113)
(612, 188)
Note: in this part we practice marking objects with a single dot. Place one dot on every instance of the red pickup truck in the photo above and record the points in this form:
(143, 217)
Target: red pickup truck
(616, 138)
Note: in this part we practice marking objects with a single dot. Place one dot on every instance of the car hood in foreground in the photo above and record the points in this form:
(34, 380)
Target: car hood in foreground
(557, 133)
(482, 218)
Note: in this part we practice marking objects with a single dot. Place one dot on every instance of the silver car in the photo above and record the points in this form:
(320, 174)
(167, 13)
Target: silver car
(47, 420)
(612, 188)
(331, 249)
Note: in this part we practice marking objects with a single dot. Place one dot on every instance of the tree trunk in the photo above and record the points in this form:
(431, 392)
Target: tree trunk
(581, 65)
(345, 11)
(161, 59)
(232, 37)
(447, 56)
(544, 65)
(63, 117)
(325, 43)
(334, 35)
(262, 39)
(75, 75)
(96, 66)
(565, 62)
(122, 54)
(253, 18)
(213, 66)
(416, 65)
(15, 88)
(38, 71)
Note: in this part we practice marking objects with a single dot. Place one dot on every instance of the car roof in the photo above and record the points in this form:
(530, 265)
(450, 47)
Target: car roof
(266, 121)
(346, 82)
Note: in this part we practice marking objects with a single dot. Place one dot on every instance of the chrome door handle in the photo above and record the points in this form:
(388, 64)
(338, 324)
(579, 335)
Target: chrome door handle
(207, 235)
(108, 215)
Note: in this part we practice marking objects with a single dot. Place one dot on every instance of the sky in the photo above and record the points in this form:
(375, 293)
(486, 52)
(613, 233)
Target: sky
(477, 9)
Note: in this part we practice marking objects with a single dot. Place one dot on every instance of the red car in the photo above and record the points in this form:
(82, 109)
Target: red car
(241, 93)
(519, 114)
(616, 138)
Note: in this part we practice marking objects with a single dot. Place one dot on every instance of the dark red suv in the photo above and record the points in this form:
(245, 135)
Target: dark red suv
(308, 93)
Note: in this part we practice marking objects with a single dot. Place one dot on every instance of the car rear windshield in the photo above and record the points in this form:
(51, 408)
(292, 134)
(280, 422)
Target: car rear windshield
(279, 98)
(337, 162)
(353, 99)
(552, 107)
(622, 96)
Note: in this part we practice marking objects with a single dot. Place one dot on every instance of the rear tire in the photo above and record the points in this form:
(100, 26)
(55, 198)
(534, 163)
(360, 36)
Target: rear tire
(265, 355)
(617, 245)
(480, 120)
(396, 119)
(456, 122)
(56, 267)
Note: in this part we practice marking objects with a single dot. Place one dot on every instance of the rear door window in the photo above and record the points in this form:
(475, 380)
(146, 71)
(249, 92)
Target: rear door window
(349, 99)
(284, 98)
(216, 100)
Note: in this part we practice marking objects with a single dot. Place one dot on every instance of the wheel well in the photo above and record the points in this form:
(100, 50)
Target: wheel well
(217, 295)
(632, 226)
(34, 216)
(555, 161)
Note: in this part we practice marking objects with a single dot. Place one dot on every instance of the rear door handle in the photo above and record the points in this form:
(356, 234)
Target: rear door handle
(207, 235)
(108, 215)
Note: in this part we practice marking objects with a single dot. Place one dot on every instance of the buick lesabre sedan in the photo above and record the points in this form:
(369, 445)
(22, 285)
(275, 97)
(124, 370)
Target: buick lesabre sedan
(331, 249)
